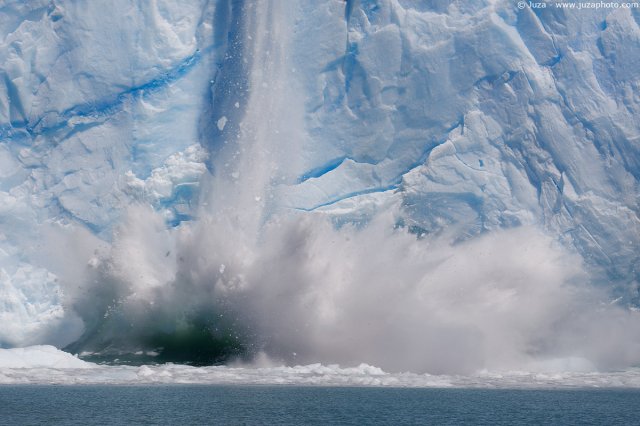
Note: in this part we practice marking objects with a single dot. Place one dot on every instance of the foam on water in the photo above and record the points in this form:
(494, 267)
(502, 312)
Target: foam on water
(46, 365)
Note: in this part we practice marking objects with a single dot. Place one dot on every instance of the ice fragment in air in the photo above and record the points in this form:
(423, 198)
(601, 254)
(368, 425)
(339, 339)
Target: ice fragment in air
(222, 122)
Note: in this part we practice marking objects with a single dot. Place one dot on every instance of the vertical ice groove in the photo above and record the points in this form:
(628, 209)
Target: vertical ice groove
(254, 92)
(229, 82)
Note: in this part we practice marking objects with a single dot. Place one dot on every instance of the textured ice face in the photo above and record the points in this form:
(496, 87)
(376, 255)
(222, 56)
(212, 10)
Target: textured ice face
(460, 119)
(99, 108)
(488, 117)
(93, 92)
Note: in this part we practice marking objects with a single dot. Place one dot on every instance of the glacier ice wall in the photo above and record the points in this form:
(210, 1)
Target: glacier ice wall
(185, 156)
(486, 116)
(91, 96)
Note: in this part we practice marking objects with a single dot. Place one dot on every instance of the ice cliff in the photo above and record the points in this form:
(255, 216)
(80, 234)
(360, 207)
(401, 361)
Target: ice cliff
(462, 118)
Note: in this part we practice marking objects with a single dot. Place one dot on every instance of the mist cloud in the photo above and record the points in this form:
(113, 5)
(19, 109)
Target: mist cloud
(302, 291)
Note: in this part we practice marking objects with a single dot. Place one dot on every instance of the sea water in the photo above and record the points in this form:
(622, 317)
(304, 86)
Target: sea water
(254, 404)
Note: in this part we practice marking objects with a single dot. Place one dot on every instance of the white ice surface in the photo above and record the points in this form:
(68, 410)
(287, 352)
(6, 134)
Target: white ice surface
(42, 356)
(46, 365)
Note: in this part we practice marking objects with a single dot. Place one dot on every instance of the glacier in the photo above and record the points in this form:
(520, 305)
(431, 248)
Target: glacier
(429, 186)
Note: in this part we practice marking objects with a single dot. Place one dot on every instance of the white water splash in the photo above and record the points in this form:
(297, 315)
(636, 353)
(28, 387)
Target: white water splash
(61, 368)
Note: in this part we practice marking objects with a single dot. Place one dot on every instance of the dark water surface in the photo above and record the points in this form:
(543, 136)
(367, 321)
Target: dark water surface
(280, 405)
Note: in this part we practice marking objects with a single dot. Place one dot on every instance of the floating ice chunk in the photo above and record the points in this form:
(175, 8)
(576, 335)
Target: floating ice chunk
(145, 371)
(43, 356)
(42, 364)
